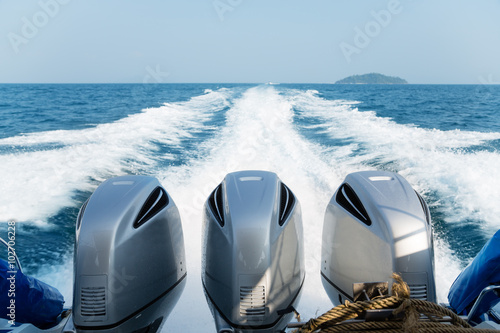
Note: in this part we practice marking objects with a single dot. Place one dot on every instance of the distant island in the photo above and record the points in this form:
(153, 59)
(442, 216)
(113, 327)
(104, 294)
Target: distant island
(372, 78)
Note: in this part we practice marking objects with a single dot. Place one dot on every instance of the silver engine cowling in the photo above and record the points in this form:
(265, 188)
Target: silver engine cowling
(376, 224)
(129, 261)
(252, 260)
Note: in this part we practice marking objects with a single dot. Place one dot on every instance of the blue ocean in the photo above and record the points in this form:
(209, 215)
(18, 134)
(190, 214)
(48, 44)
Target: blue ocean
(58, 142)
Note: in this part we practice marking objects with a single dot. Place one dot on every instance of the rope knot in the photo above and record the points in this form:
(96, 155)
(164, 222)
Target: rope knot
(337, 319)
(399, 287)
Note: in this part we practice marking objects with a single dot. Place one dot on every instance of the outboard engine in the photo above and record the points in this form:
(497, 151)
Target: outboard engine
(252, 263)
(129, 263)
(376, 224)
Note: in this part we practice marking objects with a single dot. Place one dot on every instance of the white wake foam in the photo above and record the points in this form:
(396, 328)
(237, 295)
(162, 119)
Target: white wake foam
(260, 133)
(59, 276)
(431, 160)
(37, 184)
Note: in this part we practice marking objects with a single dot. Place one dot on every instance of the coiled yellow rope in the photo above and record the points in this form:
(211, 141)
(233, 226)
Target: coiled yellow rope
(332, 321)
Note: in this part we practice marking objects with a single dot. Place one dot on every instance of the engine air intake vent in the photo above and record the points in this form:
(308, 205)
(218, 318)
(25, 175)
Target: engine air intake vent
(418, 292)
(157, 200)
(216, 206)
(93, 301)
(252, 301)
(286, 203)
(350, 202)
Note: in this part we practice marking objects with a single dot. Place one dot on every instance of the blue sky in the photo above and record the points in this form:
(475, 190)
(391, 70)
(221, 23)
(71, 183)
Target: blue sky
(317, 41)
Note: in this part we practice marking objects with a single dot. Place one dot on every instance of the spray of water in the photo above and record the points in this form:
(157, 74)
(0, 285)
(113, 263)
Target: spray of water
(262, 129)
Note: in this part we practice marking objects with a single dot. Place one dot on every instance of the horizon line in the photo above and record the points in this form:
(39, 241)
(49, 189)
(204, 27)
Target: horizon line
(256, 83)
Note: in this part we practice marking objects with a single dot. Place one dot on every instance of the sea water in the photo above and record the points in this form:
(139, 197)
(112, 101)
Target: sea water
(59, 142)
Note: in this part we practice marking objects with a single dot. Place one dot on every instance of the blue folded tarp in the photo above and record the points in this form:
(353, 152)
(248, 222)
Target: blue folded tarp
(483, 271)
(25, 299)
